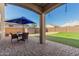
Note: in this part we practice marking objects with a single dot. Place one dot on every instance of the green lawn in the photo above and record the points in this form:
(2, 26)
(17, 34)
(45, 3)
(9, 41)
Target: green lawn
(67, 38)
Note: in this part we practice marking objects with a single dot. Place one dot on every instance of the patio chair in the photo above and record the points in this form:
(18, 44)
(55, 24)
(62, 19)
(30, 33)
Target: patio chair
(14, 36)
(24, 36)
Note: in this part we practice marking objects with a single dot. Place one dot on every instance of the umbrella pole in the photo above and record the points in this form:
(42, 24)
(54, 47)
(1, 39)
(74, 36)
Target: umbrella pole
(23, 28)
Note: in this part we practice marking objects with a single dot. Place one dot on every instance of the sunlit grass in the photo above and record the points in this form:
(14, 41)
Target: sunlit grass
(67, 38)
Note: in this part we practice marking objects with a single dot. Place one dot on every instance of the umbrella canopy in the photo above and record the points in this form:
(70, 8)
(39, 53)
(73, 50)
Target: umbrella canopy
(21, 20)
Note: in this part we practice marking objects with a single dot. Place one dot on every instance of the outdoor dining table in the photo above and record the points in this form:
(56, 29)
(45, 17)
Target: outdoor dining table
(22, 36)
(19, 36)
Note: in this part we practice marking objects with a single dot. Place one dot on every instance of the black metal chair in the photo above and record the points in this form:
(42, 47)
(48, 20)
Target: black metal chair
(14, 36)
(24, 36)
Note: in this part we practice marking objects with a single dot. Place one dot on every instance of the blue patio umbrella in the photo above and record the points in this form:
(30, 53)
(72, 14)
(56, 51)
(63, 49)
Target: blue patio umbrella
(21, 20)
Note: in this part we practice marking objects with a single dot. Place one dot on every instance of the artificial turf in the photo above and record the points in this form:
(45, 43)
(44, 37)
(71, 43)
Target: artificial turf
(68, 38)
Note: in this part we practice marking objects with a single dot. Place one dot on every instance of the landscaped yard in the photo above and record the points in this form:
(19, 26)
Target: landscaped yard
(67, 38)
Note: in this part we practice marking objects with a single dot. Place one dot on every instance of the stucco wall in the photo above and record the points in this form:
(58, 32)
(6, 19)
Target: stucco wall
(13, 30)
(64, 29)
(37, 30)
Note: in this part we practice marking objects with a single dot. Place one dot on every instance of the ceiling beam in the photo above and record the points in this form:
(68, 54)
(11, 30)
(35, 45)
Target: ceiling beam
(50, 7)
(30, 6)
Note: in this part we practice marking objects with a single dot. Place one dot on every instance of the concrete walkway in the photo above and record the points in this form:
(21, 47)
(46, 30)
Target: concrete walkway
(33, 48)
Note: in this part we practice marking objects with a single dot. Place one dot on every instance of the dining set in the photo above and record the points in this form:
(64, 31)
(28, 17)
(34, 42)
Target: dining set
(21, 21)
(19, 36)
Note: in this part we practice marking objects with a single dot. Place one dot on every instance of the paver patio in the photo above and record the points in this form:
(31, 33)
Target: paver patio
(33, 48)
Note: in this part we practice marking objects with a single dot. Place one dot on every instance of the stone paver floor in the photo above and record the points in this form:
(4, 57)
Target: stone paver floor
(33, 48)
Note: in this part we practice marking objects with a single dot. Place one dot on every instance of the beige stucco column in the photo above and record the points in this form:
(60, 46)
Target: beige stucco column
(42, 28)
(2, 18)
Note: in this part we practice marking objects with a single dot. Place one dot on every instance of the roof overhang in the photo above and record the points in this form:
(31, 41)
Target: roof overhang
(39, 7)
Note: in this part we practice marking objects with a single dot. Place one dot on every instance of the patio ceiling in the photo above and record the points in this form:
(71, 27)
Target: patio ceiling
(41, 4)
(39, 7)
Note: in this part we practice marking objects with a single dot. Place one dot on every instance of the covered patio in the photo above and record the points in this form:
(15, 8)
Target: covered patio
(32, 46)
(40, 8)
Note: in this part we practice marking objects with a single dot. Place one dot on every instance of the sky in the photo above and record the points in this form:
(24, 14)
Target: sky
(65, 14)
